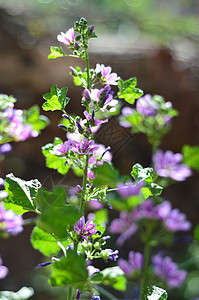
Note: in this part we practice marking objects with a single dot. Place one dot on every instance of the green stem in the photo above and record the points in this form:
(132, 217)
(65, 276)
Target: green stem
(69, 292)
(147, 250)
(81, 206)
(87, 69)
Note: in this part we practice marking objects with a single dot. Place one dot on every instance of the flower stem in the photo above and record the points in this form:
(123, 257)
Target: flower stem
(69, 292)
(147, 250)
(87, 69)
(81, 207)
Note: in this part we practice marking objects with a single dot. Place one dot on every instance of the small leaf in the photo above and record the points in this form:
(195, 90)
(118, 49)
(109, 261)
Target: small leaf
(156, 293)
(33, 117)
(21, 194)
(191, 156)
(128, 91)
(70, 270)
(56, 99)
(56, 52)
(105, 174)
(139, 173)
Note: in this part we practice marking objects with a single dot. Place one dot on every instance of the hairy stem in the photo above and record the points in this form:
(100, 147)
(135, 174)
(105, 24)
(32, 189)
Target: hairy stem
(69, 292)
(81, 207)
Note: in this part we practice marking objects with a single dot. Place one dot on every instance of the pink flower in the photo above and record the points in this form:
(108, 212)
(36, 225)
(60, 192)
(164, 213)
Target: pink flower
(168, 271)
(169, 164)
(135, 262)
(3, 270)
(107, 76)
(61, 149)
(85, 230)
(10, 222)
(146, 106)
(66, 38)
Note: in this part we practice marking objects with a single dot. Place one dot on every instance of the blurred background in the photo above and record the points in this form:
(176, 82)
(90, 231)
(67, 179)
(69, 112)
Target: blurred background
(156, 41)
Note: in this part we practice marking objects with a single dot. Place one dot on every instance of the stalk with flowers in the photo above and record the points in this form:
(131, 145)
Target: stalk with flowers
(73, 240)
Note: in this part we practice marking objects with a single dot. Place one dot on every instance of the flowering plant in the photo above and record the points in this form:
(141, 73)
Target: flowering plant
(71, 239)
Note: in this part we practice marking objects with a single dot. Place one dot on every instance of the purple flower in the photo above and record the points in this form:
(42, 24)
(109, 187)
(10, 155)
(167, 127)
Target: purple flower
(10, 222)
(94, 122)
(124, 225)
(84, 147)
(66, 38)
(110, 254)
(176, 221)
(126, 112)
(85, 229)
(107, 76)
(3, 195)
(91, 28)
(5, 148)
(17, 129)
(78, 294)
(135, 262)
(168, 271)
(169, 164)
(128, 189)
(3, 269)
(94, 297)
(146, 106)
(61, 149)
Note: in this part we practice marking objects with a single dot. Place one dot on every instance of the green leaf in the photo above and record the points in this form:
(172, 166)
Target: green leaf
(114, 276)
(23, 294)
(56, 52)
(55, 161)
(21, 194)
(196, 233)
(56, 215)
(70, 270)
(128, 91)
(191, 156)
(44, 242)
(156, 293)
(105, 174)
(56, 99)
(33, 117)
(139, 173)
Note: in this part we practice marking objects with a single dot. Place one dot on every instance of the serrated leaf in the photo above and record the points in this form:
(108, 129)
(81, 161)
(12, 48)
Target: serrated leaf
(56, 99)
(191, 156)
(139, 173)
(56, 215)
(55, 161)
(22, 194)
(56, 52)
(70, 270)
(44, 242)
(105, 174)
(156, 293)
(128, 91)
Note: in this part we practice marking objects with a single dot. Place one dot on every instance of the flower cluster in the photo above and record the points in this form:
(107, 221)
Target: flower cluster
(127, 224)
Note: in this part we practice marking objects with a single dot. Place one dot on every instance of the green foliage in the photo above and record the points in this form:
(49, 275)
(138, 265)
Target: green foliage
(55, 161)
(191, 156)
(56, 99)
(56, 52)
(105, 174)
(44, 242)
(6, 101)
(128, 90)
(79, 77)
(70, 270)
(56, 215)
(33, 117)
(148, 176)
(23, 294)
(114, 276)
(21, 194)
(156, 293)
